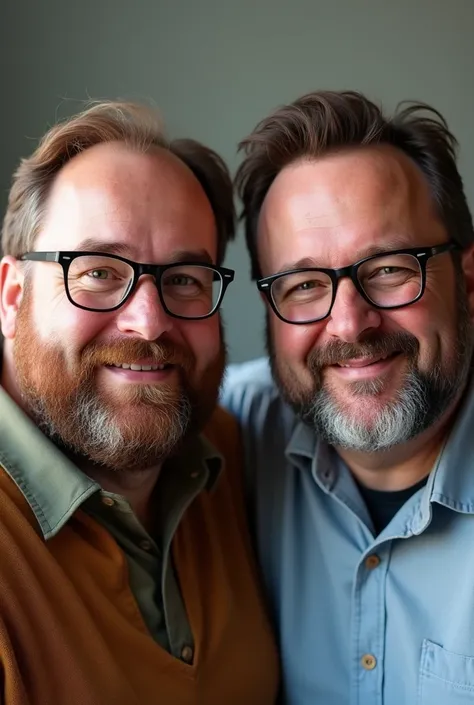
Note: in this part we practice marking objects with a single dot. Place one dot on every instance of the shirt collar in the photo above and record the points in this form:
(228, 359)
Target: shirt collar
(200, 451)
(52, 485)
(452, 479)
(308, 453)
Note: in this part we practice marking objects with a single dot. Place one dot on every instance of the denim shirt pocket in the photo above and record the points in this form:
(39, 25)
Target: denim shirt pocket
(445, 678)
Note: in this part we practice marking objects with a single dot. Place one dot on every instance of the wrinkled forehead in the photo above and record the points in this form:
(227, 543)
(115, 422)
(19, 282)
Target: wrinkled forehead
(148, 201)
(344, 203)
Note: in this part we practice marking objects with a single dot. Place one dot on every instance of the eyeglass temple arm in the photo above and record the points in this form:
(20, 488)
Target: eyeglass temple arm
(41, 256)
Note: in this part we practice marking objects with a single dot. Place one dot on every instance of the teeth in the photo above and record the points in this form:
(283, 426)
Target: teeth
(370, 361)
(139, 368)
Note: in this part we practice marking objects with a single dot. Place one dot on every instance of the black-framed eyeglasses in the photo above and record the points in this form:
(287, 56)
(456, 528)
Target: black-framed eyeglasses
(386, 281)
(100, 282)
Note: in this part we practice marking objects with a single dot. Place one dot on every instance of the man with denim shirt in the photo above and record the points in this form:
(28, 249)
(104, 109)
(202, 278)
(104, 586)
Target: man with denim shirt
(358, 430)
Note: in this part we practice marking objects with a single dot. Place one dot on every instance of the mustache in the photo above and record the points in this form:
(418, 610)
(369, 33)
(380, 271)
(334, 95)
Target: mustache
(128, 350)
(372, 346)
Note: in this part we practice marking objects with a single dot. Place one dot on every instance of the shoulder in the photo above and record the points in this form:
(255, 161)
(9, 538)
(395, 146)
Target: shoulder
(222, 430)
(16, 513)
(250, 394)
(252, 372)
(247, 387)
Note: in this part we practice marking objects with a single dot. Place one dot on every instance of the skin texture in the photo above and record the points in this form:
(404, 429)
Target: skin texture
(149, 208)
(331, 213)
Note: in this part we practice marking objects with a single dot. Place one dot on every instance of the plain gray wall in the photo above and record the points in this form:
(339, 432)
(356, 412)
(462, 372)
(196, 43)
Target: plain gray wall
(214, 68)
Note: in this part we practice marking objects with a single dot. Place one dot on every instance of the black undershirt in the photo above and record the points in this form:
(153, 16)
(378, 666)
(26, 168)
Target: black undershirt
(382, 506)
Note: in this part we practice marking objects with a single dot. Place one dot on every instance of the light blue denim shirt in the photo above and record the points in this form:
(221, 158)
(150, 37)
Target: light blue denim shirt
(362, 620)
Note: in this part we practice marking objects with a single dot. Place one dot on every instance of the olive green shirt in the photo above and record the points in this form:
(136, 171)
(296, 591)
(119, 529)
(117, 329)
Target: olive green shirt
(55, 488)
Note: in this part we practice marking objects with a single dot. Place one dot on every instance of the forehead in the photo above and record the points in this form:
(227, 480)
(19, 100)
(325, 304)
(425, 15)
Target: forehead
(336, 208)
(149, 203)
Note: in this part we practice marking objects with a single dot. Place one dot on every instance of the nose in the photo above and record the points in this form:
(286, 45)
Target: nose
(143, 314)
(351, 315)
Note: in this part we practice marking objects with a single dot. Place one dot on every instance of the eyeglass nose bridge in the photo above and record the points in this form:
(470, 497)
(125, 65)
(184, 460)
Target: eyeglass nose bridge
(155, 270)
(348, 272)
(139, 270)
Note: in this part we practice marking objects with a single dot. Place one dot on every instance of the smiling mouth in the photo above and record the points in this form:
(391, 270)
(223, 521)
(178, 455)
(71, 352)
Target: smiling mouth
(140, 368)
(365, 361)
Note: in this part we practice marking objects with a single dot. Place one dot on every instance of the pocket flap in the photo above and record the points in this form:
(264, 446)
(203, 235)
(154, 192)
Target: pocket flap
(446, 665)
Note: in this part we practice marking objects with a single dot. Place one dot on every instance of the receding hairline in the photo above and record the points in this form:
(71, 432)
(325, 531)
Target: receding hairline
(123, 146)
(405, 175)
(76, 172)
(115, 148)
(98, 169)
(341, 152)
(379, 152)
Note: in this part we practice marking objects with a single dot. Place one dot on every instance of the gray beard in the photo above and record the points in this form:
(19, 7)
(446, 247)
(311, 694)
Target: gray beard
(416, 408)
(95, 432)
(423, 398)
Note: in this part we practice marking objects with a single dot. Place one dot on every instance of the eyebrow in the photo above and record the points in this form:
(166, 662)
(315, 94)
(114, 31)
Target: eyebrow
(108, 248)
(124, 250)
(201, 255)
(396, 243)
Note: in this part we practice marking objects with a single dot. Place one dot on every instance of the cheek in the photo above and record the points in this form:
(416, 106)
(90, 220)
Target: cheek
(203, 338)
(433, 327)
(59, 322)
(292, 343)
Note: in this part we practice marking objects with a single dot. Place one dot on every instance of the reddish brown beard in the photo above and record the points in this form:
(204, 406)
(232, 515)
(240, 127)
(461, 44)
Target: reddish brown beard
(142, 427)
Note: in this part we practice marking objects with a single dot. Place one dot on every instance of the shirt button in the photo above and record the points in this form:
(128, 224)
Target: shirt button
(368, 662)
(108, 501)
(372, 562)
(146, 545)
(187, 654)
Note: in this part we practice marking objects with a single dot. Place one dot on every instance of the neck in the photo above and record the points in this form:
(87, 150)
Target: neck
(136, 487)
(404, 465)
(8, 377)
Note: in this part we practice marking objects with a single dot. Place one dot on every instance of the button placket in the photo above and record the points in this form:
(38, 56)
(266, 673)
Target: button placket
(369, 624)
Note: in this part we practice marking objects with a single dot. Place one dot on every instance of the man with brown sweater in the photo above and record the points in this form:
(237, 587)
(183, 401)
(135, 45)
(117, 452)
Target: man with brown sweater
(126, 575)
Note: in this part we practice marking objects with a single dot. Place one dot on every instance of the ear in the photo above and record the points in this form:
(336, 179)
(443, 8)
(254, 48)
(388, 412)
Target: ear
(11, 292)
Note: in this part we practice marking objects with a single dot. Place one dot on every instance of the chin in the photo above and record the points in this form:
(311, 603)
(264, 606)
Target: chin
(363, 407)
(378, 390)
(143, 396)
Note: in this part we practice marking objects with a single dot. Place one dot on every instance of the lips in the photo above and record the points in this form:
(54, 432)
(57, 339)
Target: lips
(138, 368)
(365, 361)
(136, 357)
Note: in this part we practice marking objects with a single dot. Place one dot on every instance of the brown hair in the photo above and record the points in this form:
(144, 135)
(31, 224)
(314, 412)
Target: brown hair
(326, 121)
(136, 125)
